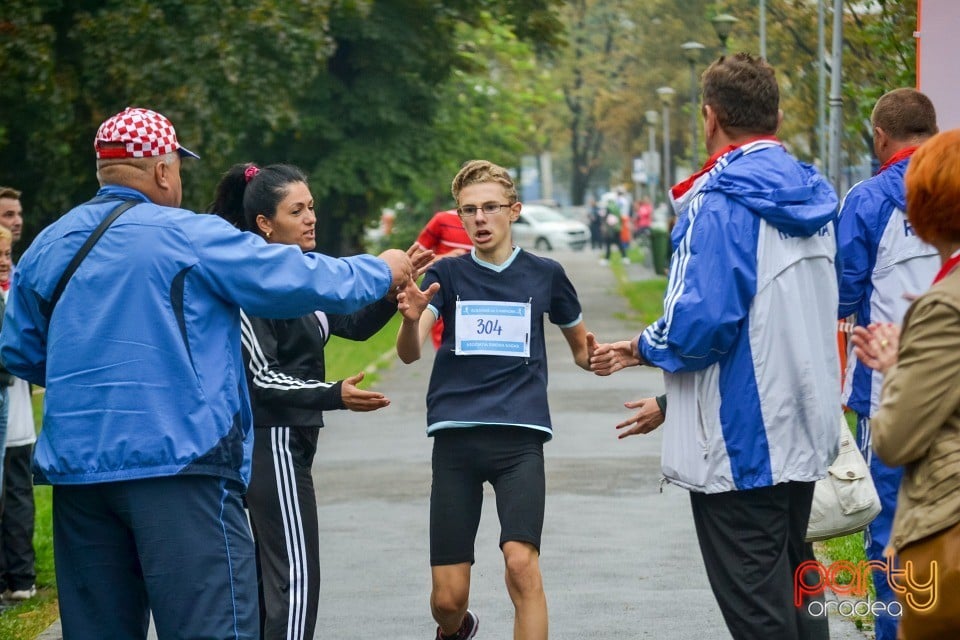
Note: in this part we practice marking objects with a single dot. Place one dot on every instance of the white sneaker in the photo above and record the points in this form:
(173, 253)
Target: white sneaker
(626, 261)
(604, 262)
(20, 594)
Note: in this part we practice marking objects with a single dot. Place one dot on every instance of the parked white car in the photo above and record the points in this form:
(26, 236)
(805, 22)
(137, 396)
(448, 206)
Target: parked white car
(544, 228)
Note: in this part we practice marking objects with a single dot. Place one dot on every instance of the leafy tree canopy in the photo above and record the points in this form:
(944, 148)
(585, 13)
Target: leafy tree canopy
(351, 90)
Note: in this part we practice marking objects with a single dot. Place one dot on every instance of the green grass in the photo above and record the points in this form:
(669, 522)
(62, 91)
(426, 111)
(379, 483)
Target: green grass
(25, 622)
(345, 358)
(645, 297)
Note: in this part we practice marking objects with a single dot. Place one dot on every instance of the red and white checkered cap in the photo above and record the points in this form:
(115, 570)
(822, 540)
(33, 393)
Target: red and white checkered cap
(143, 134)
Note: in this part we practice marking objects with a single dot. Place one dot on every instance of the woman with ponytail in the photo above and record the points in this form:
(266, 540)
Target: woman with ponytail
(289, 393)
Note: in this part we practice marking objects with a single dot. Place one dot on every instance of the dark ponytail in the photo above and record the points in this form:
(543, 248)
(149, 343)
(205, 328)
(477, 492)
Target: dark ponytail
(228, 196)
(244, 192)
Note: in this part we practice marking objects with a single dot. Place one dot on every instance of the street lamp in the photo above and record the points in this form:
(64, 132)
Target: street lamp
(691, 51)
(723, 24)
(666, 99)
(652, 117)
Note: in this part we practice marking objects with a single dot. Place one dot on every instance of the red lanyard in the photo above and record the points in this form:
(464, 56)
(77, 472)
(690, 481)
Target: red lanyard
(682, 187)
(947, 267)
(904, 153)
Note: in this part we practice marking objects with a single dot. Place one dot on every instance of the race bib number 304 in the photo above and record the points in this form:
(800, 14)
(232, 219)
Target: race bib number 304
(493, 328)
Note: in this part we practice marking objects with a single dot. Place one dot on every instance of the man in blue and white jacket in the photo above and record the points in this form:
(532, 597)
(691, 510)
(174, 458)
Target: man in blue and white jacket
(147, 428)
(747, 345)
(885, 265)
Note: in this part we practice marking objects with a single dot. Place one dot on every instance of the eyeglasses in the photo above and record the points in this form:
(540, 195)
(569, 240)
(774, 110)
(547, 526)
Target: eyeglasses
(488, 208)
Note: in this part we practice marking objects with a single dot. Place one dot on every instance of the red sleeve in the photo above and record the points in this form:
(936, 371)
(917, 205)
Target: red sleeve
(429, 238)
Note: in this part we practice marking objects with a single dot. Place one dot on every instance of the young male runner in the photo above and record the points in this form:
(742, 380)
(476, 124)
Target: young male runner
(487, 401)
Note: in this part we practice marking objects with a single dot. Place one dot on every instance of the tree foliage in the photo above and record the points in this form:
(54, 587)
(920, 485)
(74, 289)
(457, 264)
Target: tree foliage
(486, 110)
(620, 51)
(381, 101)
(349, 89)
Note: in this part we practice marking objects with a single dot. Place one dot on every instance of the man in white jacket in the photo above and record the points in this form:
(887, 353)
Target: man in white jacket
(747, 346)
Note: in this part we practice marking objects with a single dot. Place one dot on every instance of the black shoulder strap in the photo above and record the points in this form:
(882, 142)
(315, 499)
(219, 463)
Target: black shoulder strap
(85, 249)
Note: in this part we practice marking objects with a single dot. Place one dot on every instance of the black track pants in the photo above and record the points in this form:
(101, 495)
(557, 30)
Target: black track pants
(752, 542)
(283, 512)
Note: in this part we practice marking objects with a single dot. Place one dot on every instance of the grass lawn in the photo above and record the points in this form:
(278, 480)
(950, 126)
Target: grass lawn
(25, 622)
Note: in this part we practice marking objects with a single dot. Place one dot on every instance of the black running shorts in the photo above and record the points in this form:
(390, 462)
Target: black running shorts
(511, 460)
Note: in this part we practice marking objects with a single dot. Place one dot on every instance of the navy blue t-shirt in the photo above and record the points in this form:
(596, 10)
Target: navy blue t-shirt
(470, 390)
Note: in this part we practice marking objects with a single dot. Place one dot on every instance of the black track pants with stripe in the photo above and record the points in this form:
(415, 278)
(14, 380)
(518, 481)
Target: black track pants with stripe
(283, 512)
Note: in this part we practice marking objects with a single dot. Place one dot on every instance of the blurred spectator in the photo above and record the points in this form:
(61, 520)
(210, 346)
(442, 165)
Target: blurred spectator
(18, 573)
(918, 422)
(612, 230)
(387, 218)
(642, 218)
(6, 379)
(884, 264)
(444, 234)
(595, 222)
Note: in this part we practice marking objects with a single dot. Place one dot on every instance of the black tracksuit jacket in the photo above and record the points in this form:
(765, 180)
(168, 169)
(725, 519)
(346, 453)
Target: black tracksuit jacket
(285, 364)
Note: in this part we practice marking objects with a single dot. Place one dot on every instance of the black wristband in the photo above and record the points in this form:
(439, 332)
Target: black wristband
(662, 403)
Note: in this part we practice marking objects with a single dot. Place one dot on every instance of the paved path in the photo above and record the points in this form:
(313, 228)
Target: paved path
(620, 558)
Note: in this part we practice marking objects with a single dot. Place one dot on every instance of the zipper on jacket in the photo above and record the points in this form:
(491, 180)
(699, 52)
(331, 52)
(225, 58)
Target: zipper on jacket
(663, 480)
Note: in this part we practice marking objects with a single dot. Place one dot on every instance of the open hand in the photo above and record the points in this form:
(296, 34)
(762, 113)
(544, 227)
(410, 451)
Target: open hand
(421, 258)
(357, 399)
(648, 418)
(411, 301)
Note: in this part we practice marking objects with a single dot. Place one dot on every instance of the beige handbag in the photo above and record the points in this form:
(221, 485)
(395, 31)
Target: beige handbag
(846, 501)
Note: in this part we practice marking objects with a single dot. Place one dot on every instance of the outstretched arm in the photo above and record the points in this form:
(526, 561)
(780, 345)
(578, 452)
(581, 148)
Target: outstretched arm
(581, 344)
(269, 382)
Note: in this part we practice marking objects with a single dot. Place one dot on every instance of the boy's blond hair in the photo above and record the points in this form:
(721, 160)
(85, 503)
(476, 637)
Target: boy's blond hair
(480, 171)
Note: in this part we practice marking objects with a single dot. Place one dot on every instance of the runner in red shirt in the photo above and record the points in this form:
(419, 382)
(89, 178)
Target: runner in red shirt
(448, 239)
